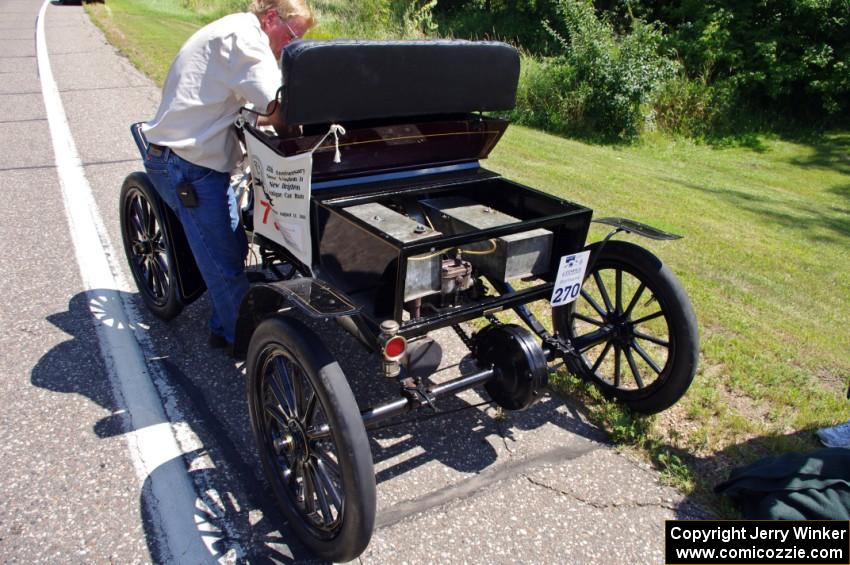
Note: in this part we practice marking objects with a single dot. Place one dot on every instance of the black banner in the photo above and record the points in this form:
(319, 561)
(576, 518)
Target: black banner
(745, 542)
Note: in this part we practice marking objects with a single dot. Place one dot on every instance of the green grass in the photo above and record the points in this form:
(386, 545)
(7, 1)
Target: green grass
(148, 33)
(765, 259)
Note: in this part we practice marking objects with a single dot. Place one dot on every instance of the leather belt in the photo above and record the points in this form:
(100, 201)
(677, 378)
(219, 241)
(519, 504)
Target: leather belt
(156, 150)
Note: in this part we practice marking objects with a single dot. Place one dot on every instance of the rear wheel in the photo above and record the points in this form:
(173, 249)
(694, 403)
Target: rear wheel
(148, 247)
(634, 327)
(311, 438)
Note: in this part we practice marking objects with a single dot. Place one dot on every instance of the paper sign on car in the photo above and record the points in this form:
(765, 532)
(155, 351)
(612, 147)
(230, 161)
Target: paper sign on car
(282, 197)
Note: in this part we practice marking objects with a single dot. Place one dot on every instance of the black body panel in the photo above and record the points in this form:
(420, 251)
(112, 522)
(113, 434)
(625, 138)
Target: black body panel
(383, 146)
(370, 267)
(191, 283)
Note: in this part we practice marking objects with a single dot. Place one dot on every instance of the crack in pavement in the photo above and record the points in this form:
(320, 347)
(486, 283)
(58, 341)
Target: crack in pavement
(474, 484)
(85, 164)
(22, 121)
(504, 431)
(600, 506)
(96, 88)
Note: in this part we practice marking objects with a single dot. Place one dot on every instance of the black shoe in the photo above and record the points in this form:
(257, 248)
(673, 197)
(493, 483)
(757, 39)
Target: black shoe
(218, 341)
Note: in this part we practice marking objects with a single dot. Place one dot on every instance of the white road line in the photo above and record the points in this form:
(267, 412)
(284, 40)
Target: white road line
(158, 460)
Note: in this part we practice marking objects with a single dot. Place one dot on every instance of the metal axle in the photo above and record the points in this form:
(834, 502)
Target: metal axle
(401, 406)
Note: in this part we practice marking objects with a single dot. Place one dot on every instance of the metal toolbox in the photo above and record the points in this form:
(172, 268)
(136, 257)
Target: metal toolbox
(423, 272)
(503, 258)
(384, 266)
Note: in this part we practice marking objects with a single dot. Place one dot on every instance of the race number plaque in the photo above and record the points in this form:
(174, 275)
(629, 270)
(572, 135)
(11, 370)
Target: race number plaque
(569, 279)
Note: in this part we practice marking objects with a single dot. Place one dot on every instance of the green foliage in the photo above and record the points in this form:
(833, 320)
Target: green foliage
(698, 109)
(783, 58)
(361, 19)
(674, 471)
(769, 60)
(789, 56)
(600, 84)
(214, 9)
(543, 97)
(198, 10)
(599, 70)
(514, 21)
(417, 18)
(375, 19)
(605, 69)
(684, 107)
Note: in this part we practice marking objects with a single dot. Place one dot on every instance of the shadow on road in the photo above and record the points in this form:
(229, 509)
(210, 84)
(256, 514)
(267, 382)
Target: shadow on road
(206, 388)
(234, 505)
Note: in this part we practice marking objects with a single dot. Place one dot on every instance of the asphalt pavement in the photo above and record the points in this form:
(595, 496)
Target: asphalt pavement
(470, 486)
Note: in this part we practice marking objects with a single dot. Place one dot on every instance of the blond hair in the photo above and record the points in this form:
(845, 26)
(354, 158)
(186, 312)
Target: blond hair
(286, 8)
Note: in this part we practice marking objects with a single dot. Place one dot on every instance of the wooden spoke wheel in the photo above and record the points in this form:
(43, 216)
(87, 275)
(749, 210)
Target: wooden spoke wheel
(147, 245)
(634, 328)
(323, 482)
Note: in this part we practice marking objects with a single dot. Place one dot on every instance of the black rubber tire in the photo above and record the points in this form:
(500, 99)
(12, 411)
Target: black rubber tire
(682, 338)
(290, 343)
(149, 248)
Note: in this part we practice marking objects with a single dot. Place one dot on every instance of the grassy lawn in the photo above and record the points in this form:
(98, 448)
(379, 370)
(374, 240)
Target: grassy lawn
(765, 259)
(148, 33)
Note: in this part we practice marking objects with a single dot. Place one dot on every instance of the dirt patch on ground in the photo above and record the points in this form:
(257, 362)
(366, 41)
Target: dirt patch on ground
(833, 379)
(711, 450)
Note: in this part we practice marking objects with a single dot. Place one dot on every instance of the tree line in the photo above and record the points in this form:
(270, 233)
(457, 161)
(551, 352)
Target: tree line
(614, 68)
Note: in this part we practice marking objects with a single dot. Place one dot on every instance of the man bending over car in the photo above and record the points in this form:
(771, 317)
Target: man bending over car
(193, 147)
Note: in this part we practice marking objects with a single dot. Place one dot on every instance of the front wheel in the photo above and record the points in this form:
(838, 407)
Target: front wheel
(311, 438)
(633, 328)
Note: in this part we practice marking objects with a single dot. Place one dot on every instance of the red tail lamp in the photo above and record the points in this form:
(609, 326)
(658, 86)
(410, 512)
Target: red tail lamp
(394, 348)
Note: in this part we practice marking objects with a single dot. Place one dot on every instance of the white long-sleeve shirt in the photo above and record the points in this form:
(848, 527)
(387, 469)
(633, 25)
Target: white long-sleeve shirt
(223, 66)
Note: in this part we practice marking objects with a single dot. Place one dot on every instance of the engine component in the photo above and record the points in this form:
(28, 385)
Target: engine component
(455, 277)
(518, 361)
(423, 271)
(505, 258)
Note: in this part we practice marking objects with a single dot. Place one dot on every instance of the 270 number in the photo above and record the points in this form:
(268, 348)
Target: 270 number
(567, 293)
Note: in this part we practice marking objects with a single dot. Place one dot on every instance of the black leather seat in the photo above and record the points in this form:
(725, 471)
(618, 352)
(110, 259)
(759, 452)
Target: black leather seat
(345, 80)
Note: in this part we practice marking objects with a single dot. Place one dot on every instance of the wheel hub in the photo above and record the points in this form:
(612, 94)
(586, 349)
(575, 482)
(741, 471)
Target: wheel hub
(621, 328)
(284, 444)
(295, 440)
(143, 248)
(623, 332)
(520, 367)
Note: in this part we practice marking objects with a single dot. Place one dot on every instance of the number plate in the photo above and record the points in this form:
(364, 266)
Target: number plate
(570, 277)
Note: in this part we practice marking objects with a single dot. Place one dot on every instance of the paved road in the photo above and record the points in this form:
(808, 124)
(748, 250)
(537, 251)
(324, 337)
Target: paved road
(77, 486)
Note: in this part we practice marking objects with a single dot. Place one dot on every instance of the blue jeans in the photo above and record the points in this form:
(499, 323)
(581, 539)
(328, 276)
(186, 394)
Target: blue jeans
(213, 229)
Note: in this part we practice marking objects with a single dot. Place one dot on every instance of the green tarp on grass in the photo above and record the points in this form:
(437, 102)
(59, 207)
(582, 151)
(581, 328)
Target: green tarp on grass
(794, 486)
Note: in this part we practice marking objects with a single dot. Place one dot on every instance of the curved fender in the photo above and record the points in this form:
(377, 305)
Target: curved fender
(192, 284)
(631, 226)
(312, 297)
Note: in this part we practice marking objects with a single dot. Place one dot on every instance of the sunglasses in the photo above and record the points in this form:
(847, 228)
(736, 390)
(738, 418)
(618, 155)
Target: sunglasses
(292, 35)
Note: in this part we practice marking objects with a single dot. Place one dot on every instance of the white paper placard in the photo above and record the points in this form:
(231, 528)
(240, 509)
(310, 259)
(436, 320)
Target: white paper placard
(569, 279)
(282, 197)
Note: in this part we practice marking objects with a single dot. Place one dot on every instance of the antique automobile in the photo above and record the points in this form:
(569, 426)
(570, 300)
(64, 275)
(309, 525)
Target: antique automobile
(376, 214)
